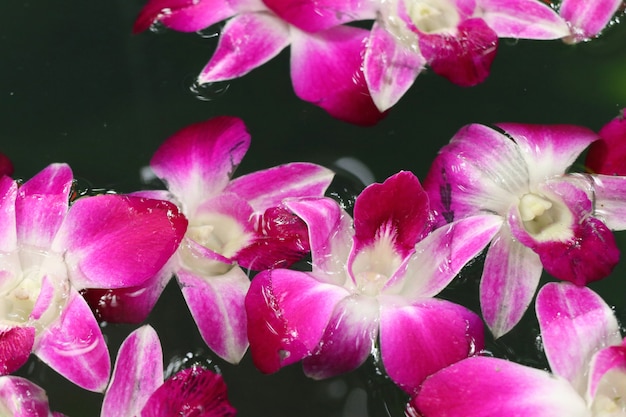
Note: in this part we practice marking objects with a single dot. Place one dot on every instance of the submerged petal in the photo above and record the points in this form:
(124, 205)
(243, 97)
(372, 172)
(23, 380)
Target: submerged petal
(525, 19)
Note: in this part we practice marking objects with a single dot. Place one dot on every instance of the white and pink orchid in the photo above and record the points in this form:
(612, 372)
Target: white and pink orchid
(49, 251)
(561, 222)
(137, 387)
(585, 351)
(376, 280)
(587, 18)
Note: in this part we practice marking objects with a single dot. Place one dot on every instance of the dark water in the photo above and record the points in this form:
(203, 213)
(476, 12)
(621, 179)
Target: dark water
(77, 87)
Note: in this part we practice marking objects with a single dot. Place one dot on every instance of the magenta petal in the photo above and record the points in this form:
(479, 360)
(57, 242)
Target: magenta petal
(119, 241)
(610, 195)
(183, 15)
(486, 387)
(74, 347)
(21, 398)
(607, 155)
(575, 323)
(523, 19)
(588, 17)
(41, 205)
(437, 332)
(464, 59)
(137, 374)
(608, 363)
(195, 391)
(16, 343)
(8, 231)
(238, 52)
(321, 14)
(326, 70)
(217, 306)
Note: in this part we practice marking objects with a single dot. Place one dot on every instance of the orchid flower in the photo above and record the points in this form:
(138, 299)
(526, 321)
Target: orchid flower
(549, 218)
(586, 353)
(21, 398)
(456, 38)
(326, 57)
(607, 155)
(48, 252)
(587, 18)
(232, 224)
(376, 280)
(137, 387)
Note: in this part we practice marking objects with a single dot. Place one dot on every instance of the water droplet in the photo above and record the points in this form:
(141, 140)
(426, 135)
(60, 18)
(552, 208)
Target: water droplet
(158, 27)
(178, 362)
(209, 91)
(209, 33)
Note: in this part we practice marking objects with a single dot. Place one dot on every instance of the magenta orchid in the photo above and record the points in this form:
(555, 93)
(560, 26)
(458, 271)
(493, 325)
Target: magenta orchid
(49, 251)
(137, 387)
(587, 18)
(549, 218)
(607, 155)
(21, 398)
(377, 280)
(326, 57)
(586, 353)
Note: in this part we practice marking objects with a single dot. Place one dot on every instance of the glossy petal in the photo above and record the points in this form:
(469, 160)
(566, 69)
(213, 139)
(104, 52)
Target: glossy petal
(21, 398)
(610, 195)
(606, 364)
(287, 314)
(588, 17)
(510, 278)
(464, 59)
(137, 374)
(575, 323)
(217, 306)
(119, 241)
(8, 231)
(437, 332)
(525, 19)
(74, 346)
(198, 161)
(607, 155)
(390, 67)
(247, 41)
(16, 343)
(326, 70)
(498, 387)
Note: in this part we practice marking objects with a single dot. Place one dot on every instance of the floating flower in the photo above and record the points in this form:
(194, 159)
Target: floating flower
(607, 155)
(48, 252)
(326, 60)
(550, 218)
(232, 224)
(21, 398)
(377, 280)
(587, 18)
(586, 354)
(137, 387)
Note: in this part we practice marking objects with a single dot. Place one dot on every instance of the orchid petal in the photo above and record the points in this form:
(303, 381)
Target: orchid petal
(575, 322)
(217, 306)
(510, 277)
(8, 231)
(437, 332)
(464, 59)
(525, 19)
(588, 17)
(137, 374)
(119, 241)
(610, 195)
(482, 387)
(198, 161)
(288, 312)
(607, 155)
(42, 204)
(21, 398)
(390, 67)
(16, 343)
(74, 347)
(238, 52)
(326, 70)
(607, 364)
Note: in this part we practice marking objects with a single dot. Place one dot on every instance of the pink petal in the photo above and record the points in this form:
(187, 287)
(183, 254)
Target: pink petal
(321, 14)
(588, 17)
(287, 314)
(523, 19)
(6, 166)
(41, 205)
(510, 277)
(137, 374)
(464, 59)
(326, 70)
(195, 391)
(8, 232)
(21, 398)
(575, 323)
(119, 241)
(16, 343)
(74, 347)
(348, 338)
(483, 387)
(390, 67)
(217, 306)
(198, 161)
(607, 155)
(437, 332)
(607, 363)
(247, 41)
(610, 195)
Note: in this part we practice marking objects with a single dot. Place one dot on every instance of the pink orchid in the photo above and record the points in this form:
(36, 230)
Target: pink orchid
(587, 18)
(607, 155)
(233, 224)
(21, 398)
(49, 251)
(586, 353)
(377, 280)
(137, 387)
(326, 60)
(561, 222)
(458, 39)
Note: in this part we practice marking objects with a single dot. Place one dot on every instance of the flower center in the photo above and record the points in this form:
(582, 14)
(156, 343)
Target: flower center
(432, 16)
(545, 219)
(610, 398)
(374, 265)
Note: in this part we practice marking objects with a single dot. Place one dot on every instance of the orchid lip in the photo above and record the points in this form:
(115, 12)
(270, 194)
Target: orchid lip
(545, 219)
(610, 399)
